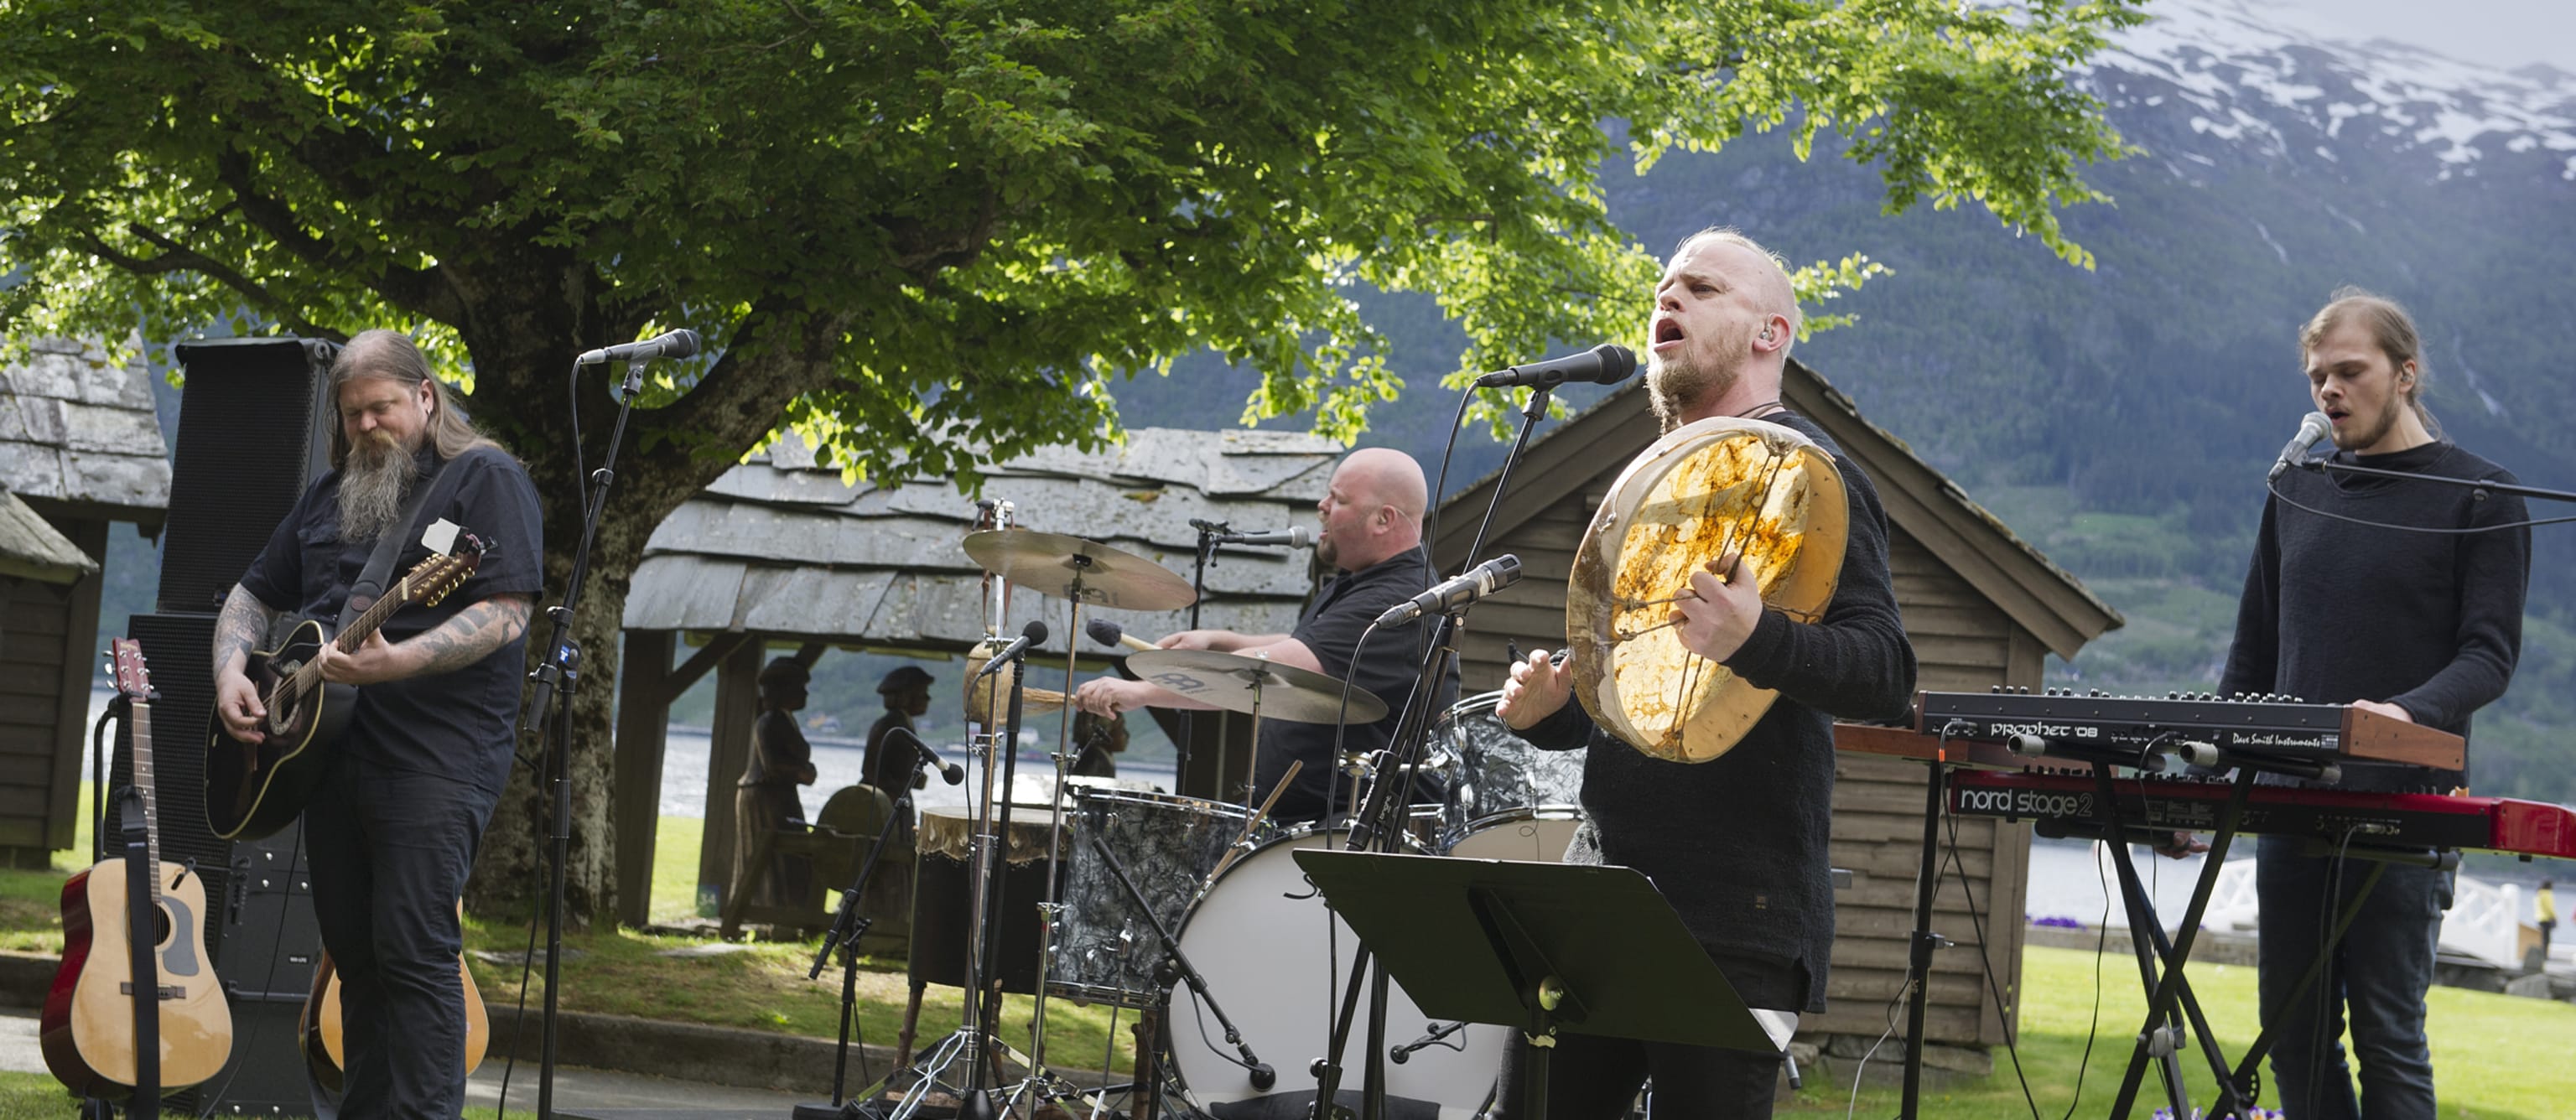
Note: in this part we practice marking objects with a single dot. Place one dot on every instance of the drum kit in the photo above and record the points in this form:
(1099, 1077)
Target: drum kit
(1188, 909)
(1193, 910)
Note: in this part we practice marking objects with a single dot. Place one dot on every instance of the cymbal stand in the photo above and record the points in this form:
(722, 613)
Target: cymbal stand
(975, 1040)
(1041, 1081)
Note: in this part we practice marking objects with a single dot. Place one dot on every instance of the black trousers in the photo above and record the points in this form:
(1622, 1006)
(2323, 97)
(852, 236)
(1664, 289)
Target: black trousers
(1593, 1078)
(390, 852)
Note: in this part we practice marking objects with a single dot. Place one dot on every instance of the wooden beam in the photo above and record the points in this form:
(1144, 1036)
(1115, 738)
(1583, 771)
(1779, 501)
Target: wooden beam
(728, 748)
(80, 646)
(643, 733)
(717, 649)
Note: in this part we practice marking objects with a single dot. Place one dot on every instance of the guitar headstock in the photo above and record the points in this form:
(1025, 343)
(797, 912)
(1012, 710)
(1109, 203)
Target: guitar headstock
(431, 580)
(125, 663)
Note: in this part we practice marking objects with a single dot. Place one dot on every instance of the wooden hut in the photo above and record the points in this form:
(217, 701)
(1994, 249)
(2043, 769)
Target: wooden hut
(79, 449)
(1982, 607)
(781, 552)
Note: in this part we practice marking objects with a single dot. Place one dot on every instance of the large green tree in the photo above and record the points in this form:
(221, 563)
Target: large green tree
(929, 233)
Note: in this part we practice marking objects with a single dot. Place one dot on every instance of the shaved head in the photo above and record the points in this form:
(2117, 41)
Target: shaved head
(1372, 510)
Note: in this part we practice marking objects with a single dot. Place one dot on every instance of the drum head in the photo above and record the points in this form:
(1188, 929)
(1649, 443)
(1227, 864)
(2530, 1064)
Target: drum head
(1700, 491)
(1259, 939)
(1531, 836)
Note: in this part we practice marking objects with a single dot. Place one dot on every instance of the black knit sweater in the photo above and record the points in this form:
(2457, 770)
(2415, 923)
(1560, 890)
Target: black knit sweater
(2336, 611)
(1738, 844)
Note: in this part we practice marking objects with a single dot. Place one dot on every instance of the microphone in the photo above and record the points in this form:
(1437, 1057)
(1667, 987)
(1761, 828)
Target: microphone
(1606, 364)
(1476, 583)
(1295, 536)
(2310, 430)
(1032, 635)
(673, 344)
(1109, 633)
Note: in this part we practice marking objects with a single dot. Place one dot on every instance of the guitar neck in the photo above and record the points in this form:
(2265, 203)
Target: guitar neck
(375, 616)
(367, 623)
(140, 747)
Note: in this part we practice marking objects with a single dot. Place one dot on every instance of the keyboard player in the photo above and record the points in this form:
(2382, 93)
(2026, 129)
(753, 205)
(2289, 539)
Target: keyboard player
(2412, 608)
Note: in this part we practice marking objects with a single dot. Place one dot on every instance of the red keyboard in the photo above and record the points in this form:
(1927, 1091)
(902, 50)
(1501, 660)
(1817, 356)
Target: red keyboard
(2430, 820)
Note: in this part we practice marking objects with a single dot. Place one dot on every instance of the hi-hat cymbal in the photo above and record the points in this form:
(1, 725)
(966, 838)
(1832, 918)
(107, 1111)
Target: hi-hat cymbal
(1232, 681)
(1071, 567)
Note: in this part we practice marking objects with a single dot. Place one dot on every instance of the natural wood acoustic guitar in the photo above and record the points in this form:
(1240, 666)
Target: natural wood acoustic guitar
(318, 1028)
(87, 1030)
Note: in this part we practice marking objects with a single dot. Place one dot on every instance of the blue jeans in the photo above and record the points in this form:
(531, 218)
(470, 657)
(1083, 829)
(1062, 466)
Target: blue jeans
(2377, 977)
(390, 851)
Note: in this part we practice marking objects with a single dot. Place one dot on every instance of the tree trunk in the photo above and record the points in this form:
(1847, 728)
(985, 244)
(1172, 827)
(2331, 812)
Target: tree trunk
(730, 409)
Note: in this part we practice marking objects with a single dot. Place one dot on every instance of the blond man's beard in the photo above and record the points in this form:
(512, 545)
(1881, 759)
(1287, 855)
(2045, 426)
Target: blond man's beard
(1676, 387)
(374, 480)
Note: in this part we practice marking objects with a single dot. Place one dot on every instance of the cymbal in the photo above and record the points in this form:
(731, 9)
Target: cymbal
(1057, 565)
(1232, 681)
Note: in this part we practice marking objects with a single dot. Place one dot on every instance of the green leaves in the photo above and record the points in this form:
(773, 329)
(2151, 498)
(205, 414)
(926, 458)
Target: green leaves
(980, 215)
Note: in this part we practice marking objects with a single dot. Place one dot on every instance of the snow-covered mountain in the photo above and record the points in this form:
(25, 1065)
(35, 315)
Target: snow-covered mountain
(2245, 84)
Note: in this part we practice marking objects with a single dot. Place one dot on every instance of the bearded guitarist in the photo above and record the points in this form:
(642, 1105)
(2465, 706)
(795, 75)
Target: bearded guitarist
(392, 826)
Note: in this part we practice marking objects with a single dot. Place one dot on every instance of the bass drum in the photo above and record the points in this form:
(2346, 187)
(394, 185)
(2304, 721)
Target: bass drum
(1259, 940)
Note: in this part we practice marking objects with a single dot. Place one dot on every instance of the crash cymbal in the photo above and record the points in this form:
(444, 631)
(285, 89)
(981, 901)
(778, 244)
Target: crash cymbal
(1232, 681)
(1055, 564)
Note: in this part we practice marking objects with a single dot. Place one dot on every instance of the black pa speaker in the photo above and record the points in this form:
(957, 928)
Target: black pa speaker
(254, 429)
(177, 650)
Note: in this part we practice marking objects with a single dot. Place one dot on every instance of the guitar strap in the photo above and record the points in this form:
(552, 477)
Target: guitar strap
(432, 494)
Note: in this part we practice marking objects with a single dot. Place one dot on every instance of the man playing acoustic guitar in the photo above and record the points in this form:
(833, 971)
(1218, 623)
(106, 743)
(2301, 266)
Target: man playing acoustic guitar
(405, 793)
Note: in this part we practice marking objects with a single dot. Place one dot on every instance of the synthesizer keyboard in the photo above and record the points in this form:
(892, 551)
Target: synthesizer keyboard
(2266, 725)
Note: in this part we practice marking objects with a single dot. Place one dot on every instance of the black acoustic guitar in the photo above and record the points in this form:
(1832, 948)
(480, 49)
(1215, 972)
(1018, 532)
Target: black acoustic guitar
(255, 789)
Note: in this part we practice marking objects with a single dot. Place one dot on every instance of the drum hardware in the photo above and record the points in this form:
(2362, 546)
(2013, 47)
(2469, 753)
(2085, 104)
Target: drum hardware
(1261, 1075)
(848, 926)
(1438, 1036)
(1081, 572)
(1244, 844)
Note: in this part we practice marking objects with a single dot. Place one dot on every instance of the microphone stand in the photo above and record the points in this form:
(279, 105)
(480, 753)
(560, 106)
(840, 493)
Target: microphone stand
(557, 677)
(1379, 819)
(2483, 485)
(848, 926)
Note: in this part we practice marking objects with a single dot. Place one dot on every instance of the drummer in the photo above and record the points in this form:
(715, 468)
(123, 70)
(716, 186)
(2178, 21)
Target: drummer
(1371, 535)
(1738, 843)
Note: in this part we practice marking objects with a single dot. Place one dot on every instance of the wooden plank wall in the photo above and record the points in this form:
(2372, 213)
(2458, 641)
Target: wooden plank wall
(1962, 641)
(48, 656)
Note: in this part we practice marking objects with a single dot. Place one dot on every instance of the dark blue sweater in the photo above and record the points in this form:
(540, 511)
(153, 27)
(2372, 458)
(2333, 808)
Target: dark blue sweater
(2336, 611)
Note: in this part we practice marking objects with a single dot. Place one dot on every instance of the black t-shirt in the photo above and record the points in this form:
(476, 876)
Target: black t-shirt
(456, 724)
(1331, 628)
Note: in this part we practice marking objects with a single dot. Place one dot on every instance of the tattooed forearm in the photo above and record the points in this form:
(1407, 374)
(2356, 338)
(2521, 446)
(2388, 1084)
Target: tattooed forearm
(472, 634)
(240, 628)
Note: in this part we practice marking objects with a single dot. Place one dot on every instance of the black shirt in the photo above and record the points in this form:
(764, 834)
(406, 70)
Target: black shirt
(888, 762)
(456, 724)
(1738, 844)
(2336, 612)
(1331, 629)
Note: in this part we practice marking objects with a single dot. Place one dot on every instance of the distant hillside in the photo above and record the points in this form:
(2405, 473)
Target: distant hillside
(2121, 418)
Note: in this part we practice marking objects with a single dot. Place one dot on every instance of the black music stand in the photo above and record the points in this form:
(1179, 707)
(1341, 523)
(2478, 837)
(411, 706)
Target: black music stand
(1538, 947)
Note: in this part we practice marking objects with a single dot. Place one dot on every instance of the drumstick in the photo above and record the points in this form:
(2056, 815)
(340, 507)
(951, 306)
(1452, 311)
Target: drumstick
(1109, 633)
(1244, 842)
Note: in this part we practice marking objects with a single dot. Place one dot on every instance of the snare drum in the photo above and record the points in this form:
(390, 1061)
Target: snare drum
(1527, 799)
(1259, 940)
(1104, 949)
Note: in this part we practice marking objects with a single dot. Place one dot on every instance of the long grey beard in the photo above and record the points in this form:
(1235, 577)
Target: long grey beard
(372, 492)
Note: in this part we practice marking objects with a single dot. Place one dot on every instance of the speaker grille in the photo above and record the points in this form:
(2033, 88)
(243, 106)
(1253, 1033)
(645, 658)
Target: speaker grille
(178, 649)
(253, 431)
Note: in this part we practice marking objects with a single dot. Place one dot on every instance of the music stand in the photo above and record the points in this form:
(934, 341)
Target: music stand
(1538, 947)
